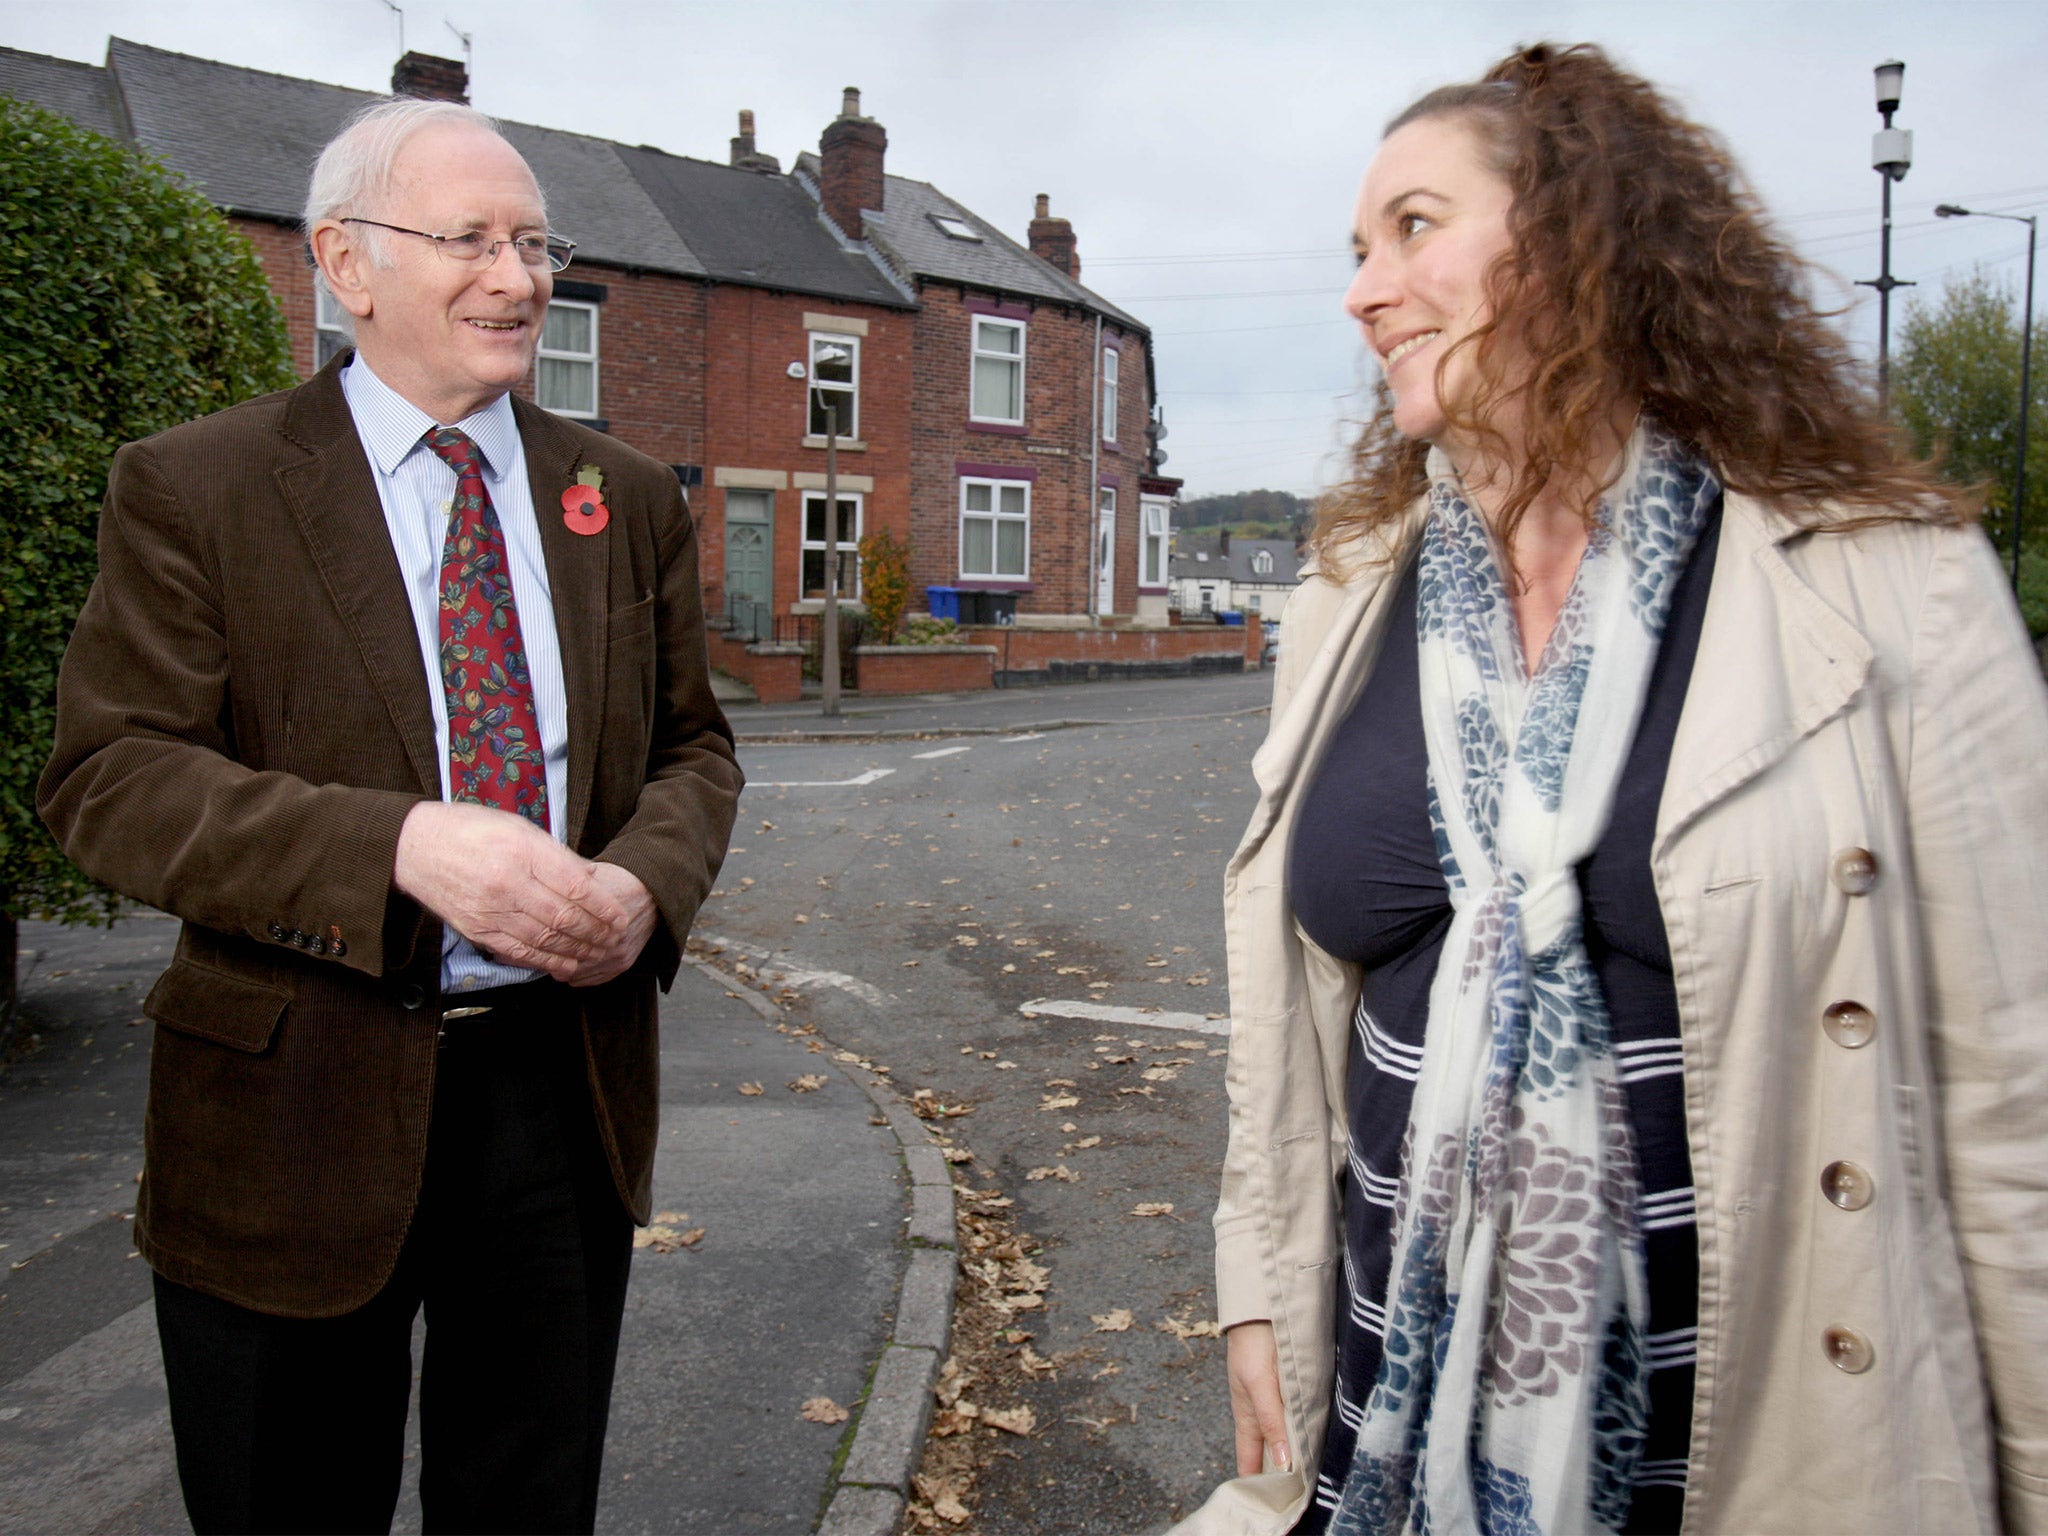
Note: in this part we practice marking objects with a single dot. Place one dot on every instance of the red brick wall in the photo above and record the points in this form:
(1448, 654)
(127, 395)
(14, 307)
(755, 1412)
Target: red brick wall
(283, 254)
(953, 669)
(1027, 650)
(756, 416)
(1059, 396)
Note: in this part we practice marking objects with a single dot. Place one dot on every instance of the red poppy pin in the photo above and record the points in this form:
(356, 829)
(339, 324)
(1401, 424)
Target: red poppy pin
(583, 507)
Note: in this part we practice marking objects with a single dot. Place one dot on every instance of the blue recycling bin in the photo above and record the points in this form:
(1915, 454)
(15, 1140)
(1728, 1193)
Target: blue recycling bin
(1230, 616)
(943, 602)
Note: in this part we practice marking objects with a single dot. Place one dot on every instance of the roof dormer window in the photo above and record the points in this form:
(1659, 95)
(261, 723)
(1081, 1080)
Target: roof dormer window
(957, 229)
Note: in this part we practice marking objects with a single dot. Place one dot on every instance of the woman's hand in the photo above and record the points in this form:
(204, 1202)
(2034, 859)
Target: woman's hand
(1254, 1367)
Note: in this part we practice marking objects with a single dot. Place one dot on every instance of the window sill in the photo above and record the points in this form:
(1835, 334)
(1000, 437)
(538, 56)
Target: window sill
(1002, 428)
(846, 444)
(995, 584)
(595, 423)
(817, 604)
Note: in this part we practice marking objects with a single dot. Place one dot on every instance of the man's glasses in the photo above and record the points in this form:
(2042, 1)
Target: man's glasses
(472, 246)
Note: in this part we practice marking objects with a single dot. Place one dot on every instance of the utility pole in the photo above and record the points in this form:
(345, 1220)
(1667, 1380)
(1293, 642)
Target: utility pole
(1891, 156)
(829, 665)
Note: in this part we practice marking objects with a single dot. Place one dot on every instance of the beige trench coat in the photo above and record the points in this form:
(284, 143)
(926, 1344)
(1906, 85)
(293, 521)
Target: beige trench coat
(1869, 691)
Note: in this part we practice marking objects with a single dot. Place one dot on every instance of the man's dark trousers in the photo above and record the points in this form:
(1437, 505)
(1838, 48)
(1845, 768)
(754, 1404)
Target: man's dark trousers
(519, 1254)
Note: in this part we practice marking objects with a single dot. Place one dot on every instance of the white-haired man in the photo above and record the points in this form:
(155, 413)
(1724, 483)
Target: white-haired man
(392, 687)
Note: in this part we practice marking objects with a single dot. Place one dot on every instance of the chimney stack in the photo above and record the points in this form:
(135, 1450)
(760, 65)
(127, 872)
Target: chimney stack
(850, 166)
(1052, 240)
(744, 155)
(430, 79)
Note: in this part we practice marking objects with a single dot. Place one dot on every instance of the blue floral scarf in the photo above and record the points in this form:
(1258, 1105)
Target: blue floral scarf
(1512, 1393)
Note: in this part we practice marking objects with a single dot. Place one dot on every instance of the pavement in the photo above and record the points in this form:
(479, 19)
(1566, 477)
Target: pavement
(795, 1291)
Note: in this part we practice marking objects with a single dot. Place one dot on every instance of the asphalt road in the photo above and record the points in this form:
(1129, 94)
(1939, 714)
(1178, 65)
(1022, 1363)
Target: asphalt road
(922, 896)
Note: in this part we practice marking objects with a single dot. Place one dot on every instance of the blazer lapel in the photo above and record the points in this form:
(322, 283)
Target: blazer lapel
(1775, 663)
(579, 578)
(333, 496)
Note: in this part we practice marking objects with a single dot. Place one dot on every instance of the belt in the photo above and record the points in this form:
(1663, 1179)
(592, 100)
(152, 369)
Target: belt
(500, 1005)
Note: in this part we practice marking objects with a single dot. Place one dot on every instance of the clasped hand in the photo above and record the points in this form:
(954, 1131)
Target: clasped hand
(520, 896)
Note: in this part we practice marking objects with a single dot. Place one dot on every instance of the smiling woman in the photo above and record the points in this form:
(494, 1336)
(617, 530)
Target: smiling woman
(1643, 717)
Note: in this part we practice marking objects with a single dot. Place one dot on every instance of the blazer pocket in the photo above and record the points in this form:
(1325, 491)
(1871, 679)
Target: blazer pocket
(630, 622)
(207, 1004)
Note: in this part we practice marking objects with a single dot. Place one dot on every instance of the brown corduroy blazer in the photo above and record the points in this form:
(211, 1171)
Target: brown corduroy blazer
(242, 725)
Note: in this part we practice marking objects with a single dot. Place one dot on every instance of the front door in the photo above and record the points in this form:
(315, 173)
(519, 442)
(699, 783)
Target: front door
(1105, 551)
(749, 544)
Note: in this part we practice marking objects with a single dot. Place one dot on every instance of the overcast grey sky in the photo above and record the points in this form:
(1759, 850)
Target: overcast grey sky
(1207, 153)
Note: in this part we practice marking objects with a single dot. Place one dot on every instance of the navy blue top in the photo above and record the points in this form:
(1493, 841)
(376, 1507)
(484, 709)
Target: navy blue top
(1365, 884)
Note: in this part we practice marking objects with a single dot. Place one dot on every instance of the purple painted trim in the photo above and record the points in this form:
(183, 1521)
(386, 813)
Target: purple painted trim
(1114, 481)
(977, 584)
(1152, 591)
(995, 471)
(997, 309)
(999, 428)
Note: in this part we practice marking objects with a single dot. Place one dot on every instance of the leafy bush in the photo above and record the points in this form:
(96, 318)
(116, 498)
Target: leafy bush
(130, 306)
(926, 630)
(884, 584)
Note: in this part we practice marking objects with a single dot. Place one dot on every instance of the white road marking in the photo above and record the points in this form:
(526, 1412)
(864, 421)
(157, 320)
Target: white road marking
(1030, 736)
(866, 778)
(778, 967)
(941, 752)
(1113, 1013)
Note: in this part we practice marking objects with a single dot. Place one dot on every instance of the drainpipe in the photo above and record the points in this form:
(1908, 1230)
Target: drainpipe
(1094, 465)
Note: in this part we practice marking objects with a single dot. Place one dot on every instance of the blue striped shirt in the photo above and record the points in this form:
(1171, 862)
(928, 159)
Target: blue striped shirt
(416, 487)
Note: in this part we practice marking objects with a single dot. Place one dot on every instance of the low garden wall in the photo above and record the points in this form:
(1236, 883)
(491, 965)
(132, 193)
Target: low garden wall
(1029, 655)
(884, 669)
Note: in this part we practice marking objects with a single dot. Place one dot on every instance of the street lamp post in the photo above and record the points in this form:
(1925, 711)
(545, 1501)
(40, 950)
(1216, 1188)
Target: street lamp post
(1891, 156)
(2019, 474)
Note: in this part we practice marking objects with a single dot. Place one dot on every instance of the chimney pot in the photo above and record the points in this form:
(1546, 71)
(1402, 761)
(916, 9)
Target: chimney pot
(850, 156)
(430, 78)
(1052, 240)
(747, 121)
(744, 155)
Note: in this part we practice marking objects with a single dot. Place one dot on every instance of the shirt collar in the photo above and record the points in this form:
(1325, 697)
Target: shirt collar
(391, 426)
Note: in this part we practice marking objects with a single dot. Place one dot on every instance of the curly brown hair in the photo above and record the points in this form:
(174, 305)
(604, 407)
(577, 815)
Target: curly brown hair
(1641, 268)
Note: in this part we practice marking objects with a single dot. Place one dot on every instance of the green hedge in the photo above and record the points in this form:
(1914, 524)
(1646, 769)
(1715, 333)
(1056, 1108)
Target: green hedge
(130, 305)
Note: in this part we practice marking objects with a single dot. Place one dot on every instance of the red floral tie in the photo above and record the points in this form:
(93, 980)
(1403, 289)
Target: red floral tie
(494, 747)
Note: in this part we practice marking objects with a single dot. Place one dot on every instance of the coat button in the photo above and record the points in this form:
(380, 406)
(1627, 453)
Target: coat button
(300, 938)
(318, 946)
(1848, 1023)
(1847, 1185)
(1854, 871)
(1848, 1350)
(280, 933)
(337, 947)
(411, 995)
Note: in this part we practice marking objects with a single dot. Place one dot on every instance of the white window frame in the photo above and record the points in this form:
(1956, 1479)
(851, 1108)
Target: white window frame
(328, 322)
(849, 395)
(556, 354)
(1017, 359)
(1262, 562)
(995, 516)
(1153, 537)
(1112, 368)
(849, 549)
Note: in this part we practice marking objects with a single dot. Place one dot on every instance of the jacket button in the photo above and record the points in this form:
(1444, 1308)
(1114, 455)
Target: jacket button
(279, 932)
(1848, 1350)
(1847, 1185)
(1854, 871)
(318, 946)
(300, 938)
(337, 947)
(411, 995)
(1848, 1023)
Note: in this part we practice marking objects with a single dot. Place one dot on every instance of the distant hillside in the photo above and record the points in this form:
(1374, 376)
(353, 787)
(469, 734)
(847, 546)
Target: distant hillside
(1281, 514)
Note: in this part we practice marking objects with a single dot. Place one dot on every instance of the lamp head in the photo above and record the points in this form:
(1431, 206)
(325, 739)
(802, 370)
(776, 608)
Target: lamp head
(1950, 211)
(1891, 84)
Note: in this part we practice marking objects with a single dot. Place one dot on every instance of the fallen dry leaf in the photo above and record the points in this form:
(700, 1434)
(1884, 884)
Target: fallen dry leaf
(943, 1497)
(822, 1410)
(1064, 1175)
(1207, 1329)
(666, 1239)
(1059, 1101)
(1189, 1045)
(1033, 1363)
(1017, 1421)
(752, 1090)
(1153, 1208)
(810, 1082)
(1118, 1320)
(671, 1218)
(1088, 1141)
(1159, 1074)
(1156, 963)
(956, 1154)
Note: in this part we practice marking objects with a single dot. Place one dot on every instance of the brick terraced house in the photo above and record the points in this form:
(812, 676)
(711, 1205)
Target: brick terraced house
(991, 409)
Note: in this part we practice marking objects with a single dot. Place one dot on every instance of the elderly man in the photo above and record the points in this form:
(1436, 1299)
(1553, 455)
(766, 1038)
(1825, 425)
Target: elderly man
(392, 687)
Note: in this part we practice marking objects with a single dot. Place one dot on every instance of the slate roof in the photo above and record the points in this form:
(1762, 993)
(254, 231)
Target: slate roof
(908, 238)
(81, 92)
(252, 155)
(757, 229)
(1236, 566)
